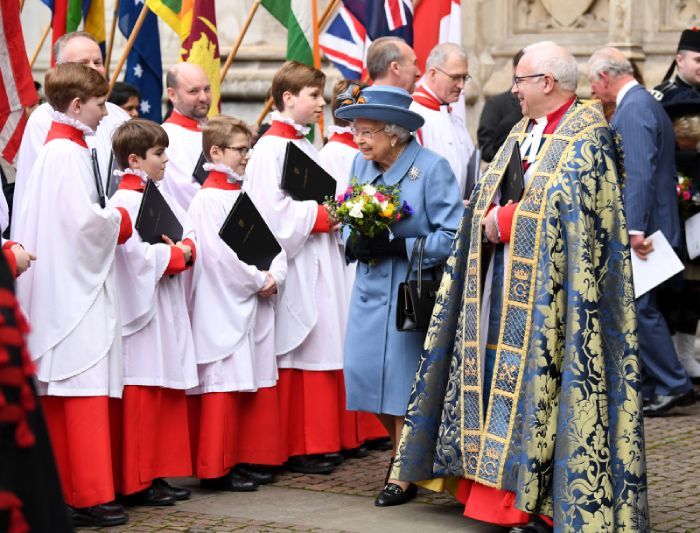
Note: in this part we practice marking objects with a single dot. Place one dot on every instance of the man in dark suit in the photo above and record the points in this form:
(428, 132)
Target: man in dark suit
(650, 204)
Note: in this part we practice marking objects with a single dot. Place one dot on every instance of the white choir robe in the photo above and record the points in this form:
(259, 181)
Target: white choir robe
(446, 134)
(34, 137)
(183, 153)
(156, 332)
(336, 158)
(311, 316)
(233, 328)
(69, 294)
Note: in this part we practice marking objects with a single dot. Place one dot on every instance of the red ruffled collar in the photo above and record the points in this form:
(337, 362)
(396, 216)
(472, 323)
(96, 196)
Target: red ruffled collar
(219, 180)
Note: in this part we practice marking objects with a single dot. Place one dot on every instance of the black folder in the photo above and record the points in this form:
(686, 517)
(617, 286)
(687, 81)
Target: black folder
(155, 217)
(199, 174)
(303, 178)
(246, 233)
(513, 181)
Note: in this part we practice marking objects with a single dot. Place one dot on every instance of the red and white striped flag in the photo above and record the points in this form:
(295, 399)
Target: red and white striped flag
(16, 83)
(435, 22)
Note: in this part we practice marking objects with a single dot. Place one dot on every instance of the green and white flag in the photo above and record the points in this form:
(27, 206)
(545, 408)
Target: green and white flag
(297, 17)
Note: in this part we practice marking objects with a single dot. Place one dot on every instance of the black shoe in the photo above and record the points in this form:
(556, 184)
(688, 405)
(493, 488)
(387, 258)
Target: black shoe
(96, 516)
(231, 482)
(180, 493)
(382, 444)
(392, 494)
(661, 405)
(112, 506)
(259, 474)
(356, 453)
(307, 464)
(336, 458)
(153, 496)
(535, 525)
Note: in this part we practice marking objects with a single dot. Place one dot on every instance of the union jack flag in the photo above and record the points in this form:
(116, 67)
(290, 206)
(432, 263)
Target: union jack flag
(358, 23)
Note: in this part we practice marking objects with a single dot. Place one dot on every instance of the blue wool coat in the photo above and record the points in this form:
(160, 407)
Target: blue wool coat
(380, 361)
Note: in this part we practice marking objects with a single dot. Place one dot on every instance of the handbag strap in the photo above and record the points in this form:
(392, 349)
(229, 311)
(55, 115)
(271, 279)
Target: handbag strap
(418, 247)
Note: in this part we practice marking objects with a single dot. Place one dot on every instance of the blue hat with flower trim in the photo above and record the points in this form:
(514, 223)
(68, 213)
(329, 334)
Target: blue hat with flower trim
(379, 102)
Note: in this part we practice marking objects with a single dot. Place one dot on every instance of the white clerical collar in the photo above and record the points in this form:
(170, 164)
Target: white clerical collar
(340, 129)
(65, 119)
(233, 176)
(279, 117)
(531, 143)
(625, 89)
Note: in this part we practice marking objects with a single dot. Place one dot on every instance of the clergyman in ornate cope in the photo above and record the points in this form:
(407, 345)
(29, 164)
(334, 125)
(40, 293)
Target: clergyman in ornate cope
(526, 402)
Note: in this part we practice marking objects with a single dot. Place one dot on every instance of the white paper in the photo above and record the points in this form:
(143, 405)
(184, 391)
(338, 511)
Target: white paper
(692, 236)
(660, 265)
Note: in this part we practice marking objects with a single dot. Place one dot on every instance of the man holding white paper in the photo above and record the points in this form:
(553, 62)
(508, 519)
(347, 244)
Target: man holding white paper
(651, 205)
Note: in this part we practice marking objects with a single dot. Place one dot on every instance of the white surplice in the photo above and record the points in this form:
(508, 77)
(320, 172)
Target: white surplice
(183, 153)
(312, 313)
(156, 333)
(445, 133)
(234, 328)
(337, 157)
(69, 293)
(34, 137)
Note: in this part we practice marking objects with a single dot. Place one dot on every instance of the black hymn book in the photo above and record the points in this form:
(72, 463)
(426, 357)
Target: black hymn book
(199, 174)
(246, 233)
(155, 217)
(303, 178)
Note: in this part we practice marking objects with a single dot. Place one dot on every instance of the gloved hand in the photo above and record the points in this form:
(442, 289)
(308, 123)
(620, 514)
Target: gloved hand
(365, 249)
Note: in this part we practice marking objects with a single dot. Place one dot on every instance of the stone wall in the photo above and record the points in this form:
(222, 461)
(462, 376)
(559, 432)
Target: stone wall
(493, 31)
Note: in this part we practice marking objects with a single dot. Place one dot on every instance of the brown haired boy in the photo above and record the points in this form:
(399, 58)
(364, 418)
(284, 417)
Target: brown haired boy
(310, 320)
(159, 360)
(233, 321)
(70, 295)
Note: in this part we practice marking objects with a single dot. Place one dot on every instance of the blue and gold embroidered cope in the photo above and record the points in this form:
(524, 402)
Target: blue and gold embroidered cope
(562, 427)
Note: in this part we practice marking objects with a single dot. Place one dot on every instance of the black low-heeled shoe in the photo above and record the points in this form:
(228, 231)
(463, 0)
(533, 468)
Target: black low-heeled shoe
(153, 496)
(96, 516)
(180, 493)
(392, 494)
(259, 474)
(535, 525)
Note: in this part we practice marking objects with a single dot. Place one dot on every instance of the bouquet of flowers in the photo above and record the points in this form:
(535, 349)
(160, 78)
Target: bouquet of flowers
(368, 209)
(688, 197)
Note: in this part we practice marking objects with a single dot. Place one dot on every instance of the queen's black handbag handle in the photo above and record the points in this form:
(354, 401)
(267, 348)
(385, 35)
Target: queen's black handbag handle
(418, 247)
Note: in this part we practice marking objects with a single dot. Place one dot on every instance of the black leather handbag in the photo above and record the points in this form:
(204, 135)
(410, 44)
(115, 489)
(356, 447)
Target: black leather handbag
(416, 297)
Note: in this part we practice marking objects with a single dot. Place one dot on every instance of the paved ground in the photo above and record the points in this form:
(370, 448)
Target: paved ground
(343, 500)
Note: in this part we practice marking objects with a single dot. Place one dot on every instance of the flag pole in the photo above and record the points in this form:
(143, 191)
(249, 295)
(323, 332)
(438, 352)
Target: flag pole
(316, 53)
(323, 20)
(129, 45)
(110, 44)
(237, 44)
(40, 45)
(21, 5)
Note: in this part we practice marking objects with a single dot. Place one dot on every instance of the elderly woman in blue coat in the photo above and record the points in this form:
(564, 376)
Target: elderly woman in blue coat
(381, 361)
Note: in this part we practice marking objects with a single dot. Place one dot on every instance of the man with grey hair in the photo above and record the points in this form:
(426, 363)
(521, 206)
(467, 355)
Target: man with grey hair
(445, 131)
(648, 144)
(390, 61)
(74, 47)
(189, 91)
(529, 381)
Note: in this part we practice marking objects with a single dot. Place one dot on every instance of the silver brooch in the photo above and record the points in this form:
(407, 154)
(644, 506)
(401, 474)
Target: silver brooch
(413, 173)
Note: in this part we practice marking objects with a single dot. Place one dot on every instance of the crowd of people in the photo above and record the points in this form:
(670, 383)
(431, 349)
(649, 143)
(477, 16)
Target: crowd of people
(525, 397)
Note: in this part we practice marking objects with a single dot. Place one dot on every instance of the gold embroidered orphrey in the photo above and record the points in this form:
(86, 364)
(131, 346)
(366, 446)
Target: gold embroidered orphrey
(486, 441)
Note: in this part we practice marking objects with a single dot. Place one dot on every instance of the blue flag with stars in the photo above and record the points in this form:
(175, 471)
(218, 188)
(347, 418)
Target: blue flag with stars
(144, 68)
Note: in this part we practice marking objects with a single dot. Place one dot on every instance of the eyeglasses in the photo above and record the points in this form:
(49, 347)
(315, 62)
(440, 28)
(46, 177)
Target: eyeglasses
(464, 78)
(518, 79)
(243, 150)
(367, 134)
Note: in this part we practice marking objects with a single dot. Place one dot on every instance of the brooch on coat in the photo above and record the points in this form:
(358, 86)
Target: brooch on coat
(413, 173)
